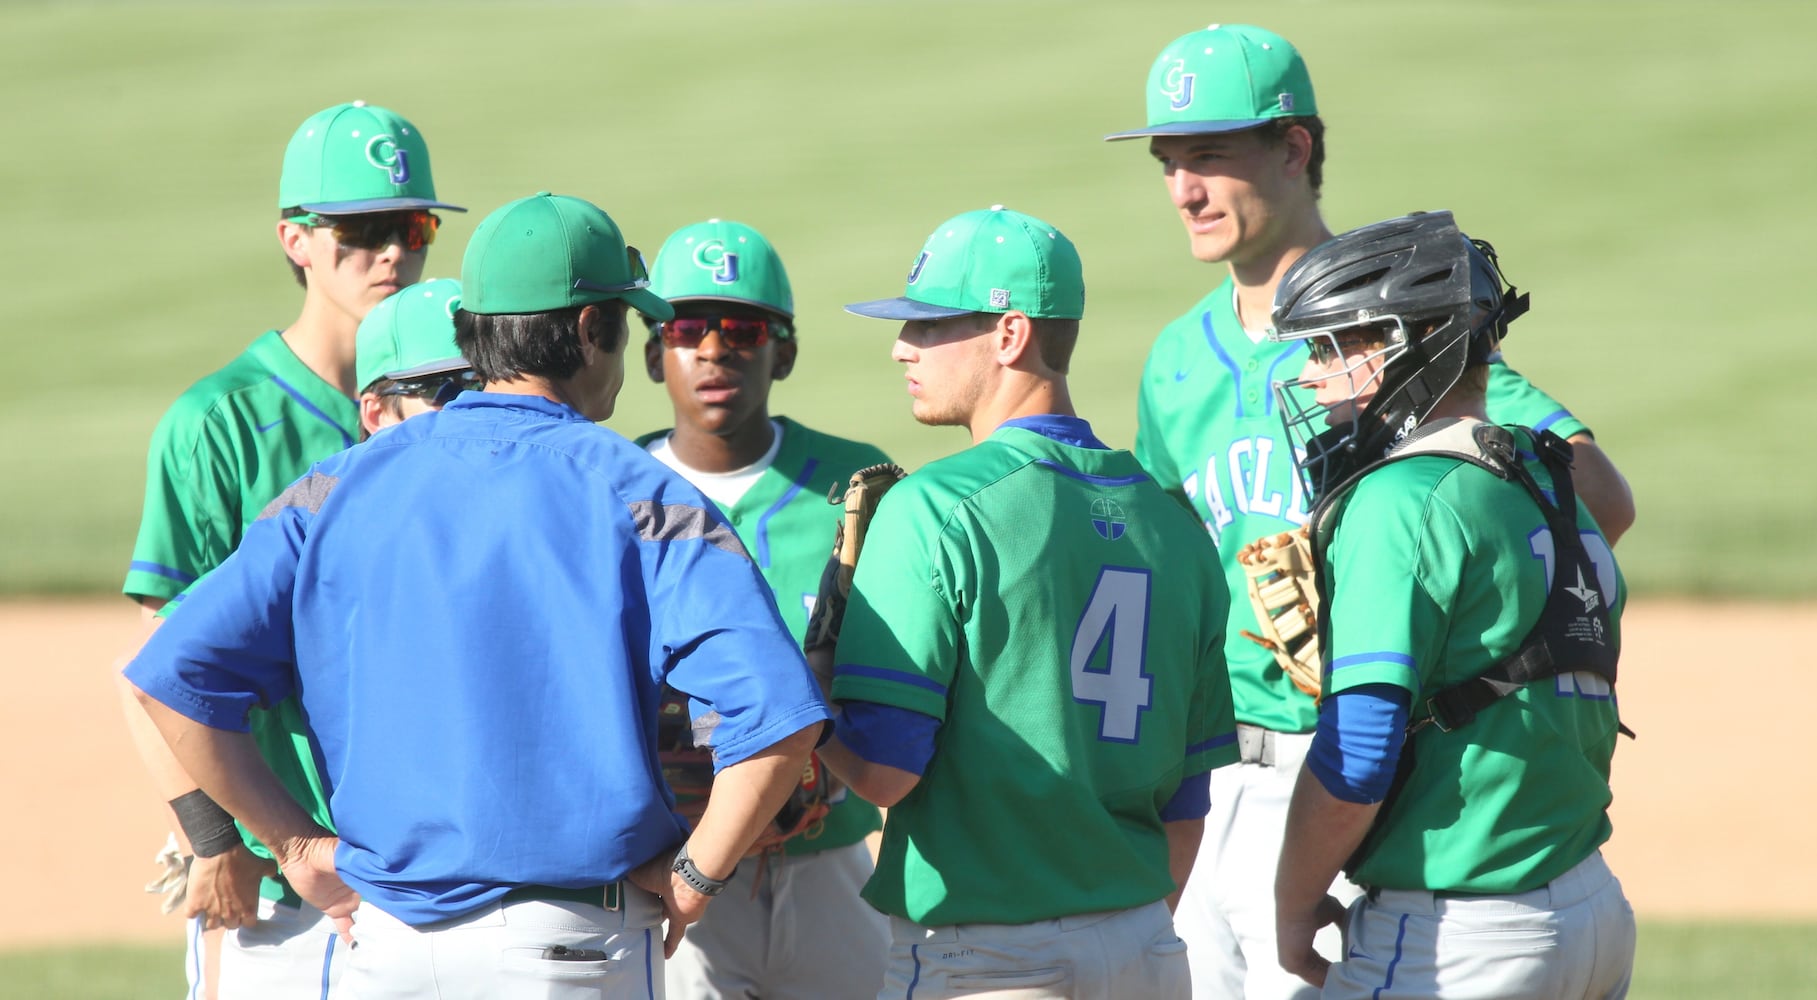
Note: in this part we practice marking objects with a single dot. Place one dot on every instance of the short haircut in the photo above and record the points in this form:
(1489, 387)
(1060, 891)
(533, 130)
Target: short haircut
(1054, 338)
(296, 269)
(389, 402)
(502, 347)
(1275, 133)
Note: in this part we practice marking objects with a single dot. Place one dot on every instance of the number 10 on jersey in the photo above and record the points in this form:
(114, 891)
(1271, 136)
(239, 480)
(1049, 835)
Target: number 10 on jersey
(1116, 621)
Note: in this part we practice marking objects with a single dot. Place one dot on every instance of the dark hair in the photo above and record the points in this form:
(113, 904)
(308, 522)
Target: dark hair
(296, 270)
(1275, 133)
(1055, 338)
(389, 402)
(504, 346)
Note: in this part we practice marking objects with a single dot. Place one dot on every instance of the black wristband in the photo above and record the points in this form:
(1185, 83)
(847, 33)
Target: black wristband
(696, 879)
(209, 827)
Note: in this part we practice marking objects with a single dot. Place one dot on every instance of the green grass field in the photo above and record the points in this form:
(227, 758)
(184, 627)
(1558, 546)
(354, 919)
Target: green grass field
(1675, 961)
(1642, 177)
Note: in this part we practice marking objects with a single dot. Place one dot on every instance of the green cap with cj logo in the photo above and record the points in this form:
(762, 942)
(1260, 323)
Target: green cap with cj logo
(549, 252)
(723, 261)
(1225, 78)
(991, 260)
(409, 334)
(355, 158)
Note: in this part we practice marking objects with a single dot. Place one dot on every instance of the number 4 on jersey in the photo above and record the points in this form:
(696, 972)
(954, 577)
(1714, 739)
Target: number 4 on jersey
(1116, 621)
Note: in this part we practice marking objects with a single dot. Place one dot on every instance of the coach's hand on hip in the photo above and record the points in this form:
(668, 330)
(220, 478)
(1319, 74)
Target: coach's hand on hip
(308, 863)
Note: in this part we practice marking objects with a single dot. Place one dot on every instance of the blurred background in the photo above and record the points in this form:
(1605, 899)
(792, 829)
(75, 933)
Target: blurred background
(1644, 168)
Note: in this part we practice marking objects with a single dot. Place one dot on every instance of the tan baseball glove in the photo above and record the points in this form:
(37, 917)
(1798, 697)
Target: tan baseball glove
(860, 497)
(1286, 601)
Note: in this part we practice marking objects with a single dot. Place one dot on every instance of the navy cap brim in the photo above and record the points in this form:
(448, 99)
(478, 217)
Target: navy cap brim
(1190, 128)
(376, 205)
(904, 309)
(454, 364)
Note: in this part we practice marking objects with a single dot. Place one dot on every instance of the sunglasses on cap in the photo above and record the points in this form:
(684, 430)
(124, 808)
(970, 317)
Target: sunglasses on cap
(412, 230)
(640, 276)
(439, 390)
(739, 333)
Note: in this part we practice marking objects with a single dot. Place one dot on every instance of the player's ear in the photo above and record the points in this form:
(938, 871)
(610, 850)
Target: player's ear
(294, 239)
(1012, 337)
(653, 358)
(371, 407)
(1296, 143)
(785, 357)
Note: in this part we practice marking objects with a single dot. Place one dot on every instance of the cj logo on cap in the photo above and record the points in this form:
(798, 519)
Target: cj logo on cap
(1177, 86)
(920, 262)
(383, 152)
(712, 256)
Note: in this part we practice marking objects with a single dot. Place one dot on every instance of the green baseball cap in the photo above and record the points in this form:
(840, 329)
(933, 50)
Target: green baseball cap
(722, 261)
(991, 260)
(548, 252)
(409, 334)
(355, 158)
(1222, 79)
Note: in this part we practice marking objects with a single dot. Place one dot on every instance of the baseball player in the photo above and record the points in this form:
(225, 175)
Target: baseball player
(1032, 643)
(792, 925)
(406, 357)
(1467, 594)
(504, 831)
(1233, 122)
(355, 221)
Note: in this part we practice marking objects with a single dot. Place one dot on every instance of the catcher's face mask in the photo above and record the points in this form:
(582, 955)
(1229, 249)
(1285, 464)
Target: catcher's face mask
(1324, 410)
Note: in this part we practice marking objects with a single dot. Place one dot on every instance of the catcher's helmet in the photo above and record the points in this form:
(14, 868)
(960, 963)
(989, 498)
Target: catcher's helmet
(1437, 300)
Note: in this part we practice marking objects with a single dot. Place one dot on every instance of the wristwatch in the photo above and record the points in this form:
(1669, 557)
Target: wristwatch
(684, 866)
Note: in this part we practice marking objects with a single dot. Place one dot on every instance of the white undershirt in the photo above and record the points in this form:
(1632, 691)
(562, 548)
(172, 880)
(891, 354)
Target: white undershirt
(723, 488)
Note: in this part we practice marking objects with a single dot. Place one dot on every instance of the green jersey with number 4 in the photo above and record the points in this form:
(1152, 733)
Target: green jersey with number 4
(787, 525)
(1063, 618)
(1209, 431)
(1437, 569)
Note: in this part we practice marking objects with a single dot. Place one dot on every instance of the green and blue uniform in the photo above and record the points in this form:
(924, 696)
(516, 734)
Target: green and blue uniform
(787, 526)
(1062, 619)
(229, 445)
(1209, 431)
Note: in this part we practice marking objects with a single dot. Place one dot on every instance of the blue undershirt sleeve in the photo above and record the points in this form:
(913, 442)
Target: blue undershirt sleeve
(884, 734)
(1192, 800)
(1358, 741)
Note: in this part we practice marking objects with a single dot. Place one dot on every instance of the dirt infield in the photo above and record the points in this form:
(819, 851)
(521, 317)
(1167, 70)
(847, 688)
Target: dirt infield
(1711, 818)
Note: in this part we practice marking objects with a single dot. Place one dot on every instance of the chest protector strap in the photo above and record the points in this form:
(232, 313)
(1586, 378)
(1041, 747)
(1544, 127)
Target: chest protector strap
(1574, 629)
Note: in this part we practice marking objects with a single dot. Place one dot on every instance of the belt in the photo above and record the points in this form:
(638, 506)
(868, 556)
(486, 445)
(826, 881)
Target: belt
(608, 896)
(1255, 745)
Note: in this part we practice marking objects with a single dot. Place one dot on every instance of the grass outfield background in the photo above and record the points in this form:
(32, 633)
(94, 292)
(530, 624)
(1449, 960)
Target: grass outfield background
(1643, 168)
(1639, 165)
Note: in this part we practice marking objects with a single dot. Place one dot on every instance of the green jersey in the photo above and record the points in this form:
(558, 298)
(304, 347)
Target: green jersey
(787, 526)
(224, 450)
(1063, 618)
(1209, 430)
(1436, 569)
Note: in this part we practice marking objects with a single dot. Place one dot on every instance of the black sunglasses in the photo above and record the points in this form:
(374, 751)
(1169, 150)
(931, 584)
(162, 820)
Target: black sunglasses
(440, 390)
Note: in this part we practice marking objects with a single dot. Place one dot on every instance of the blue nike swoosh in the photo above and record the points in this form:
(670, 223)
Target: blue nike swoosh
(1181, 376)
(265, 427)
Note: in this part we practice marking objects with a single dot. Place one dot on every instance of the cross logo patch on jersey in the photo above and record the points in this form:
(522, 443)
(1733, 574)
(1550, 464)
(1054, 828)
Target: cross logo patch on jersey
(382, 152)
(1107, 518)
(713, 256)
(1177, 86)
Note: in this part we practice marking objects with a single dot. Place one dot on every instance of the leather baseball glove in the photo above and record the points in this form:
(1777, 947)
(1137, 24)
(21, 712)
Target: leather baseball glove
(860, 496)
(688, 768)
(1286, 601)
